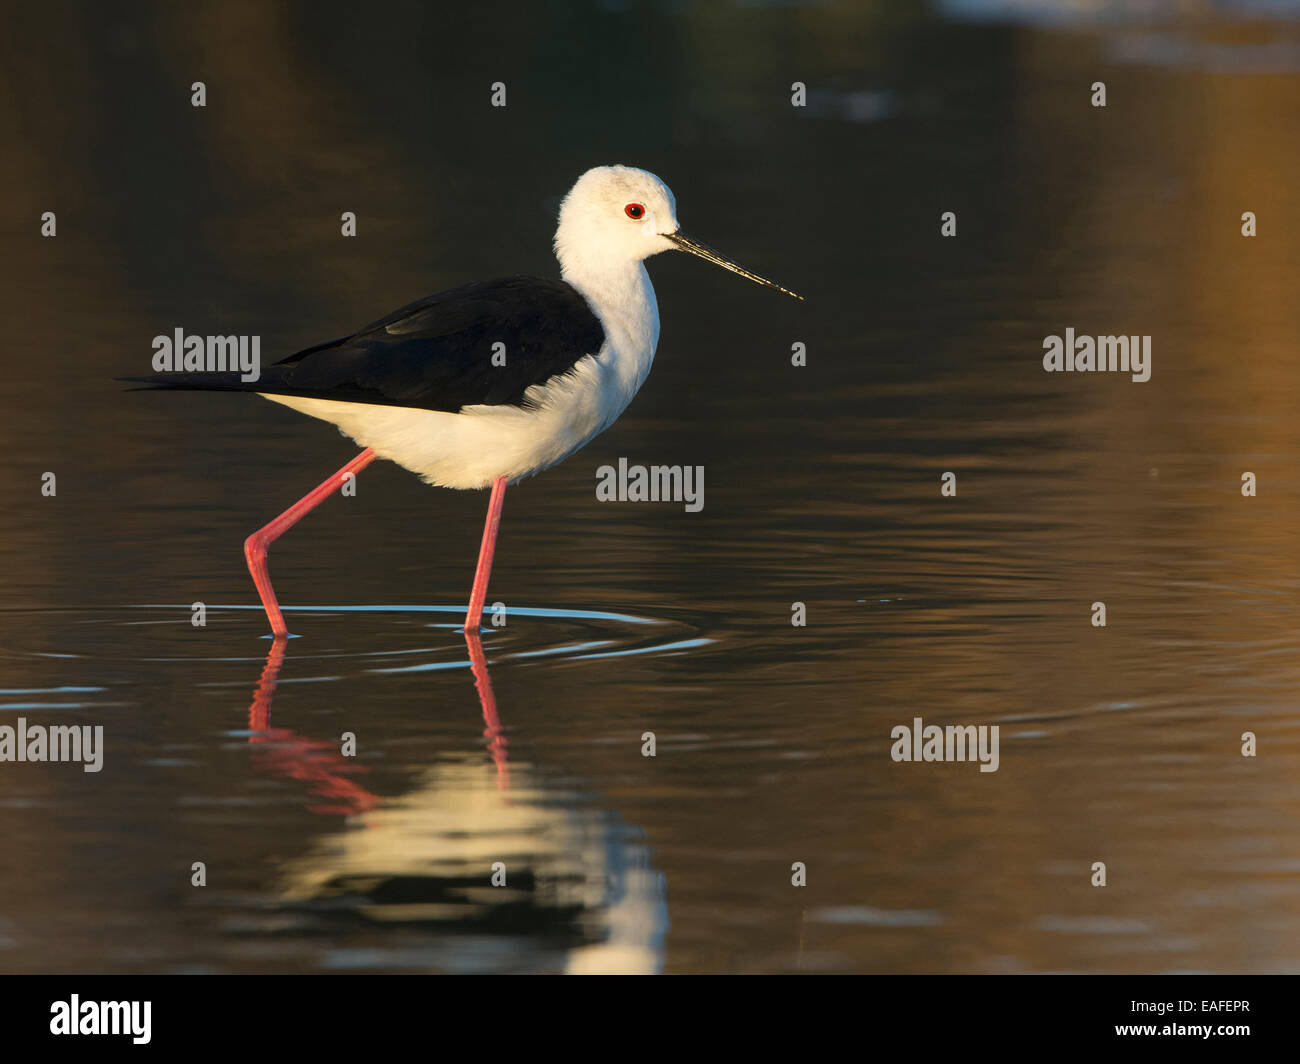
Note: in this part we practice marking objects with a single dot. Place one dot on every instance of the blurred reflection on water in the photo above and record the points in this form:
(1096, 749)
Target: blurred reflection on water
(573, 892)
(1119, 744)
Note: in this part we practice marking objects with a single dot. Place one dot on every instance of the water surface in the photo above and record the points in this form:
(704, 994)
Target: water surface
(1119, 744)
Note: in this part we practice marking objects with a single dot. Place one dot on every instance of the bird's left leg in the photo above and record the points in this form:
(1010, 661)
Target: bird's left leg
(486, 549)
(256, 544)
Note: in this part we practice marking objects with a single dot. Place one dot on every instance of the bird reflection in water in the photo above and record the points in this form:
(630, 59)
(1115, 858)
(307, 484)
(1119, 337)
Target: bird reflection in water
(466, 871)
(320, 762)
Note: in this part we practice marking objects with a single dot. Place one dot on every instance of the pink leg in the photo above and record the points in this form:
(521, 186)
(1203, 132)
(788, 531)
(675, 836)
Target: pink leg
(256, 544)
(478, 593)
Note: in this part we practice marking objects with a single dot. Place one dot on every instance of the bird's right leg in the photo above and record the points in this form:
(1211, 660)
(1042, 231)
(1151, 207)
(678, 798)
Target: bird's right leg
(256, 544)
(478, 593)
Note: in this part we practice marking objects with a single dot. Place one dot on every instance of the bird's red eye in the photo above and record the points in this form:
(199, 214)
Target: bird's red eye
(634, 211)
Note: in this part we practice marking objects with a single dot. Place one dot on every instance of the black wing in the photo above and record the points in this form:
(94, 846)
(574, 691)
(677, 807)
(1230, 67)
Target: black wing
(435, 353)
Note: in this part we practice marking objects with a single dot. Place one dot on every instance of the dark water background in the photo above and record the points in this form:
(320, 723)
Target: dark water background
(1119, 744)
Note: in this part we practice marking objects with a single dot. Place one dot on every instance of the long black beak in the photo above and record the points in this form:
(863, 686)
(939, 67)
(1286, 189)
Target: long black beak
(709, 255)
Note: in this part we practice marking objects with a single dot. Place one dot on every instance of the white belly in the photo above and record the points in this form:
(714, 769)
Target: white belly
(470, 449)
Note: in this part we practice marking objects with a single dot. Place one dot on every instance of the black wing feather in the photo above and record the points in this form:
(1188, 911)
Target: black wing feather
(435, 353)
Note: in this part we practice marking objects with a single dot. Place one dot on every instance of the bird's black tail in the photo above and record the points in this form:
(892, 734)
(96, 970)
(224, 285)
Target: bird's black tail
(202, 382)
(269, 380)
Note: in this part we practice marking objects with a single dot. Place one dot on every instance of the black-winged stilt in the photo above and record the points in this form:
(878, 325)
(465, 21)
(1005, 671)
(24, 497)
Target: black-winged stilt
(421, 387)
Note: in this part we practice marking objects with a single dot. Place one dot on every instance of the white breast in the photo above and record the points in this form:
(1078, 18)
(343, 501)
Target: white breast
(470, 449)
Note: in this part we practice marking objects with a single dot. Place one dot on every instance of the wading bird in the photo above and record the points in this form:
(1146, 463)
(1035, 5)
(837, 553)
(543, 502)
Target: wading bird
(421, 387)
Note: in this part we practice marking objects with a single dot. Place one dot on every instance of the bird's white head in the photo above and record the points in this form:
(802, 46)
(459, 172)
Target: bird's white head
(616, 216)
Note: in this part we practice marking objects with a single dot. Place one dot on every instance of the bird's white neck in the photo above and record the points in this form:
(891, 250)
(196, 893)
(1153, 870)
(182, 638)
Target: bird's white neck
(623, 298)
